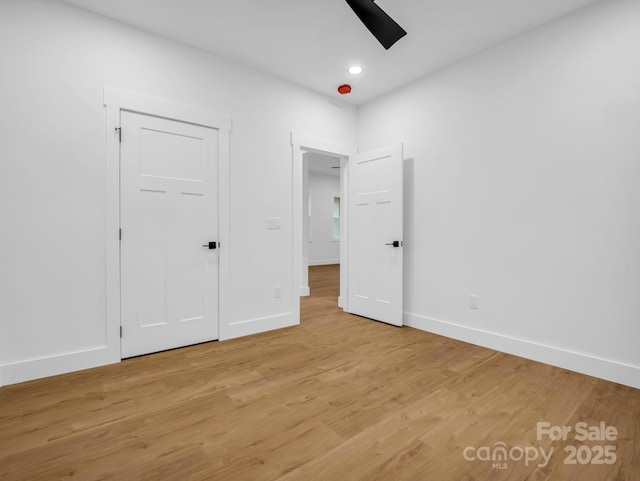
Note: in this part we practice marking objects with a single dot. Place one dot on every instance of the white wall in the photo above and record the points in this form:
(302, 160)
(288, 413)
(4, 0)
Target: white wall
(323, 249)
(56, 60)
(522, 174)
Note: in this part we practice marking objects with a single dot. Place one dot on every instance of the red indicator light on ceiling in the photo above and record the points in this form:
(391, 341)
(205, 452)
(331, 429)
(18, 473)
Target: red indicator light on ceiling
(344, 89)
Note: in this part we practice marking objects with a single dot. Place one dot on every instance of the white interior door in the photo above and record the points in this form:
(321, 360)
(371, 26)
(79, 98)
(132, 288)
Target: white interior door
(375, 235)
(169, 212)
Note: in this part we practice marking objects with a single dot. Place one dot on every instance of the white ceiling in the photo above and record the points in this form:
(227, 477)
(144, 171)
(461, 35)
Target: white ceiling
(311, 42)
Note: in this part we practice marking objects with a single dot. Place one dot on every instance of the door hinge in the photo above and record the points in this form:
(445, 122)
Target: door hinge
(119, 133)
(120, 332)
(120, 234)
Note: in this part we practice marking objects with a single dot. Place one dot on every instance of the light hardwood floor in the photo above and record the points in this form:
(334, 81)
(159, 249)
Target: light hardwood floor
(337, 398)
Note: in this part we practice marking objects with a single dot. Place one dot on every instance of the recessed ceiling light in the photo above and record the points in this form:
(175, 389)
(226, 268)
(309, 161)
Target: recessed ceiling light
(355, 70)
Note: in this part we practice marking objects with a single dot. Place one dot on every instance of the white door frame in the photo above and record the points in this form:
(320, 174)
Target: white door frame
(302, 143)
(116, 100)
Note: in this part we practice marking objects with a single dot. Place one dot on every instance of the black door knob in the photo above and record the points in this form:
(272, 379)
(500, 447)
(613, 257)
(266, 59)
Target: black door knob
(210, 245)
(394, 244)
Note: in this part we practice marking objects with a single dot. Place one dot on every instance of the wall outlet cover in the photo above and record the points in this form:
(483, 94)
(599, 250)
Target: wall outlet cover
(474, 301)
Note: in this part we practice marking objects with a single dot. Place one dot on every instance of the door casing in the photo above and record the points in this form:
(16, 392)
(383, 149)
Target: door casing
(115, 101)
(302, 143)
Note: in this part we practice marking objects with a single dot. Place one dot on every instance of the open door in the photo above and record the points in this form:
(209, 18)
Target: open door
(375, 235)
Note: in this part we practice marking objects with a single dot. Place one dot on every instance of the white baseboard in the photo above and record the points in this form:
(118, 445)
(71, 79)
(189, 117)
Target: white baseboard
(100, 356)
(329, 262)
(58, 364)
(602, 368)
(341, 302)
(593, 366)
(305, 291)
(256, 326)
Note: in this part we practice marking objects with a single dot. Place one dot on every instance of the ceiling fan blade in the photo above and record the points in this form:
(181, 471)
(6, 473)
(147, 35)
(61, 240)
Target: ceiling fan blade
(381, 25)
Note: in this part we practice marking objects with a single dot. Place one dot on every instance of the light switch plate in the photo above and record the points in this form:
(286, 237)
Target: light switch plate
(273, 223)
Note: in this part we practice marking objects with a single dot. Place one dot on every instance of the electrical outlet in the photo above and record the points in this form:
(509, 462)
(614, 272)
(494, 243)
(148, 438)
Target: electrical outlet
(474, 301)
(277, 292)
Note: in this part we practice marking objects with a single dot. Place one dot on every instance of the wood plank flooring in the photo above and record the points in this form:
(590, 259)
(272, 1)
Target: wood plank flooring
(337, 398)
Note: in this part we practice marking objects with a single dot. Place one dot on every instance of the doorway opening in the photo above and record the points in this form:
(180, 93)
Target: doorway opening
(371, 257)
(324, 235)
(322, 213)
(334, 154)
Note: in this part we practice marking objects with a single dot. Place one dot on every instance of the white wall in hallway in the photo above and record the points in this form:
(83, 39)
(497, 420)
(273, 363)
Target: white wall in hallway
(323, 248)
(56, 62)
(522, 174)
